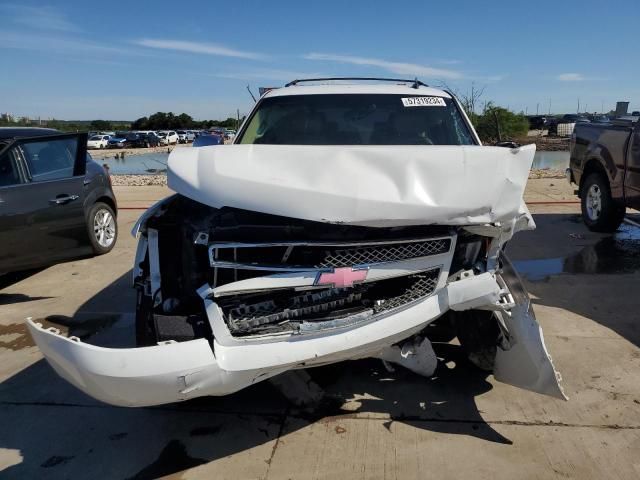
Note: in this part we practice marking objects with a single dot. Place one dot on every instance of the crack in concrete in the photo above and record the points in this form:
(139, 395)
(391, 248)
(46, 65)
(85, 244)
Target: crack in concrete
(277, 442)
(282, 417)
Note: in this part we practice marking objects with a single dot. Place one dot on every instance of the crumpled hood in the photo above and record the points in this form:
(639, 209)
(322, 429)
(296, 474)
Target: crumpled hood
(379, 186)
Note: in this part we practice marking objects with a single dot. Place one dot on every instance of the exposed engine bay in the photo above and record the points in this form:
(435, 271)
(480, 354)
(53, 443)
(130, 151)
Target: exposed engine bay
(303, 277)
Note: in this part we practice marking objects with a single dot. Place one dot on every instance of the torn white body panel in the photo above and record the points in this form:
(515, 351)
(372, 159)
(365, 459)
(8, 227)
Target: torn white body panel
(173, 371)
(378, 186)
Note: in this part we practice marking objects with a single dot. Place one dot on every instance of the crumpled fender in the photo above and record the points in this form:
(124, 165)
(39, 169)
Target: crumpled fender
(524, 361)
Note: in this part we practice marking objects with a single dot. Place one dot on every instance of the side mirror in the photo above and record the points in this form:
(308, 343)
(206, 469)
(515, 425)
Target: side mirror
(507, 144)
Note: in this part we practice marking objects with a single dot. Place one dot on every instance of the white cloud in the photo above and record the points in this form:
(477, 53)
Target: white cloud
(40, 18)
(570, 77)
(286, 75)
(49, 44)
(195, 47)
(400, 68)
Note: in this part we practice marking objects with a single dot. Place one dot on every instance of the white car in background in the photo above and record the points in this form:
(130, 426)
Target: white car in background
(168, 137)
(185, 136)
(98, 141)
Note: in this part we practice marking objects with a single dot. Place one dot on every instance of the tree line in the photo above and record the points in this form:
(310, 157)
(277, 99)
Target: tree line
(164, 120)
(157, 121)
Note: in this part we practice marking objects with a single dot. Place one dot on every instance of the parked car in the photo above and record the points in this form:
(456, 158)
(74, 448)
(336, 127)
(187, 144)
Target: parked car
(185, 136)
(207, 140)
(122, 140)
(146, 140)
(56, 203)
(310, 241)
(537, 122)
(605, 164)
(168, 137)
(98, 141)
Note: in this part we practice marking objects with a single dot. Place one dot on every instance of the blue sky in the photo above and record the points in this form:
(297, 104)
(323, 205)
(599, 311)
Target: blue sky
(122, 60)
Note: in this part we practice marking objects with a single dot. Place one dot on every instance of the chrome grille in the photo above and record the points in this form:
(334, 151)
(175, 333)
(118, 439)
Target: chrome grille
(346, 257)
(320, 256)
(320, 307)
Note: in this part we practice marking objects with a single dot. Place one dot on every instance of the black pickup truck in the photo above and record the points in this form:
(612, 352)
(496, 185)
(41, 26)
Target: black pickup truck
(605, 164)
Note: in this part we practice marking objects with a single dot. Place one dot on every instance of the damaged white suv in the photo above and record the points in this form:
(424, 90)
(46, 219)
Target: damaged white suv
(344, 219)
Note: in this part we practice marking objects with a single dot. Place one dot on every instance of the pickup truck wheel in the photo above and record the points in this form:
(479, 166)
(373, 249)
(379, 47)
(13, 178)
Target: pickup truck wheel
(599, 212)
(479, 334)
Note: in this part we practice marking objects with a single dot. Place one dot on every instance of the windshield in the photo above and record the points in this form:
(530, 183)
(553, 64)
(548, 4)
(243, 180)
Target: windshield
(361, 119)
(96, 137)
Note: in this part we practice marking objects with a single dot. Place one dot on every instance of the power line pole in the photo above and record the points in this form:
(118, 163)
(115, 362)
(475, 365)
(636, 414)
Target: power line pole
(537, 107)
(549, 106)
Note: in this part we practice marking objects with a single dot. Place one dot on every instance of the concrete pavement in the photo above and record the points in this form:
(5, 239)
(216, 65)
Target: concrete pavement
(458, 424)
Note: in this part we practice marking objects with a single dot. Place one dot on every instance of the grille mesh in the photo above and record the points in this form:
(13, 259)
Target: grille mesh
(313, 306)
(384, 253)
(424, 285)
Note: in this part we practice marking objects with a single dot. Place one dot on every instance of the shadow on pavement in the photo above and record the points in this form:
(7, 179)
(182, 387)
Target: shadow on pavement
(9, 279)
(61, 433)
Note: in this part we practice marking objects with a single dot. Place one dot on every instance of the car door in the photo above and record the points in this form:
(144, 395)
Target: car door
(44, 213)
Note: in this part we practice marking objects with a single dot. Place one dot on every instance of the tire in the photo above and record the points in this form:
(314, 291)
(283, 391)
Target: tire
(102, 228)
(479, 334)
(599, 211)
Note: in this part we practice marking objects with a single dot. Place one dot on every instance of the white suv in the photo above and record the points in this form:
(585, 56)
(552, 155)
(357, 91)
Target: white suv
(168, 137)
(98, 141)
(341, 223)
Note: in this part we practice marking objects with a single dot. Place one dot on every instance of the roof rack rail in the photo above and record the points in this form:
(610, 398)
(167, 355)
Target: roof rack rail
(415, 83)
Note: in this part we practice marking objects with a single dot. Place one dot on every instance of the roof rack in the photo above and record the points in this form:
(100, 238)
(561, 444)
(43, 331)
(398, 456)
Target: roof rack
(415, 83)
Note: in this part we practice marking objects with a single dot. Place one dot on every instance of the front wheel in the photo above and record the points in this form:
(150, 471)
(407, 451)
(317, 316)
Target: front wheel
(102, 228)
(599, 211)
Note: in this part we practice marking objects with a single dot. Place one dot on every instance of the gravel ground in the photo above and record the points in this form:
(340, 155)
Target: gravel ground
(144, 180)
(138, 180)
(546, 144)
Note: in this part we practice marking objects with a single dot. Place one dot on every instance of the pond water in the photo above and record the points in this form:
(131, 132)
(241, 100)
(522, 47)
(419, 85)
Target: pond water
(156, 162)
(146, 163)
(555, 160)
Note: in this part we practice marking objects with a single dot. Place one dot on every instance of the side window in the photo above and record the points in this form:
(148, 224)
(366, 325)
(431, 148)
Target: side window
(50, 159)
(10, 168)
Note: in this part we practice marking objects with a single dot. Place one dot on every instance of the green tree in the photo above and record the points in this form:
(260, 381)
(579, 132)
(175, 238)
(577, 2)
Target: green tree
(497, 123)
(100, 125)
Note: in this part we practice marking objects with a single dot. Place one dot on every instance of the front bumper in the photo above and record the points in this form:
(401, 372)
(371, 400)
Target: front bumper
(172, 371)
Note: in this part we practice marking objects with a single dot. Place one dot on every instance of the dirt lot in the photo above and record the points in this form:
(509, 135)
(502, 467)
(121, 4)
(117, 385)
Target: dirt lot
(458, 424)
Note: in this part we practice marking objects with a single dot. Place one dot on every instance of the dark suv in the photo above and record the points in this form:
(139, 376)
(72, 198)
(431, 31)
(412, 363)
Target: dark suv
(56, 203)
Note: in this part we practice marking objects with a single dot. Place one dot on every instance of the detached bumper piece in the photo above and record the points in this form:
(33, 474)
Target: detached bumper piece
(165, 373)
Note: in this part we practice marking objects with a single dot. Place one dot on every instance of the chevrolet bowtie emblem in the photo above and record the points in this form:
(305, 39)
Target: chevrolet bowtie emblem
(341, 277)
